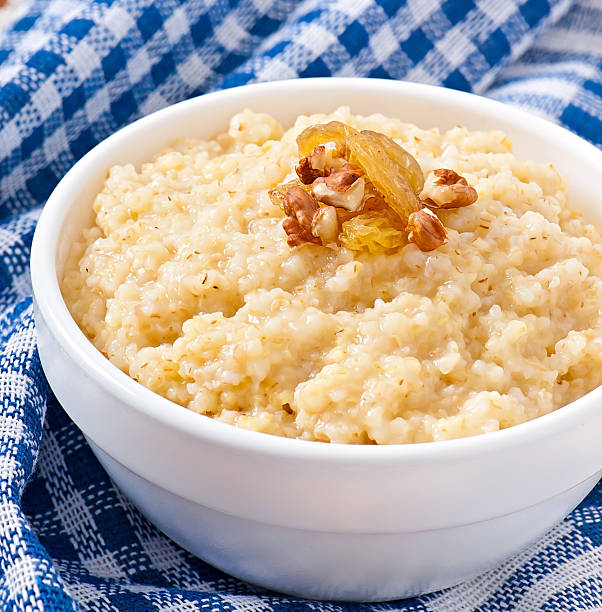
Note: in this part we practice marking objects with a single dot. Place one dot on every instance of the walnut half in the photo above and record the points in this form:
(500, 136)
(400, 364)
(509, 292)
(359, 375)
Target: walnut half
(313, 166)
(306, 220)
(343, 187)
(325, 224)
(445, 188)
(425, 230)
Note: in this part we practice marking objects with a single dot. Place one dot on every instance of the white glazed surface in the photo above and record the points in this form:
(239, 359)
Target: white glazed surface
(334, 489)
(344, 566)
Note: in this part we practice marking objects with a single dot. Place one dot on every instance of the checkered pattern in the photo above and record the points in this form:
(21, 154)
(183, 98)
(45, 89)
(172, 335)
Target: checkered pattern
(71, 73)
(560, 75)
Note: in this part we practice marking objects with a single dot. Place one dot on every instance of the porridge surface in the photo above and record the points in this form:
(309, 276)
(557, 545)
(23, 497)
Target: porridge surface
(187, 284)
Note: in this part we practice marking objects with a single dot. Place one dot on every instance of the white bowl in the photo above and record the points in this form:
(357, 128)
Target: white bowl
(312, 519)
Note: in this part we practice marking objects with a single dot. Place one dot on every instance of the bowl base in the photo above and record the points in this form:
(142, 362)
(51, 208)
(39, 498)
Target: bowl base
(323, 565)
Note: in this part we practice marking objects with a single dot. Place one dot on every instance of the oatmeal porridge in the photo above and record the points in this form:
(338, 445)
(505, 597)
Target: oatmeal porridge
(252, 279)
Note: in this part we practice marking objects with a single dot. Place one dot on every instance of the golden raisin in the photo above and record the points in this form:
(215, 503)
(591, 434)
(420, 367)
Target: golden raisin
(321, 133)
(407, 163)
(383, 162)
(373, 232)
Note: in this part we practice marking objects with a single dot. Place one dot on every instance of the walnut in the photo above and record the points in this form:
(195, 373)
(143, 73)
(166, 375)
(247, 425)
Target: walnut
(313, 166)
(444, 188)
(297, 233)
(300, 208)
(325, 224)
(425, 230)
(341, 179)
(298, 203)
(306, 220)
(343, 187)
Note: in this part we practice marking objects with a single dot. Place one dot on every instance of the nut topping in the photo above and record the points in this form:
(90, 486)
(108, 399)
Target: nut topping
(351, 199)
(364, 191)
(307, 221)
(300, 209)
(425, 230)
(298, 203)
(325, 224)
(312, 166)
(344, 187)
(444, 188)
(297, 234)
(341, 179)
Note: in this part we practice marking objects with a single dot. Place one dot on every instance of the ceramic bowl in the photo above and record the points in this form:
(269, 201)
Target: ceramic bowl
(312, 519)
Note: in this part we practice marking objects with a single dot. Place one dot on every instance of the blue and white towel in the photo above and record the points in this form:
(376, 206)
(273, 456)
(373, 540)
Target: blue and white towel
(73, 72)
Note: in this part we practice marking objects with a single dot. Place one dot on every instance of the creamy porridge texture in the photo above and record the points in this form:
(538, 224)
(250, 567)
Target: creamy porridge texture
(186, 282)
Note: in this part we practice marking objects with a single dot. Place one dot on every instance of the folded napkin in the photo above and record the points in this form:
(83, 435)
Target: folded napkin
(73, 72)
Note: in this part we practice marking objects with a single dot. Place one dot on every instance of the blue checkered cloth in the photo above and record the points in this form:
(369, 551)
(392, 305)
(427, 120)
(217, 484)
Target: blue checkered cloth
(73, 72)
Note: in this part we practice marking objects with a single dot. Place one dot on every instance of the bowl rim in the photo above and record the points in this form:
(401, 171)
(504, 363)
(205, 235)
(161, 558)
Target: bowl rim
(51, 306)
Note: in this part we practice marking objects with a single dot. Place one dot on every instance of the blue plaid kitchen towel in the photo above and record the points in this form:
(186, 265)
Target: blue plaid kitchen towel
(73, 72)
